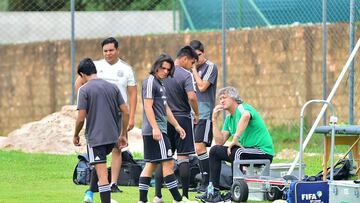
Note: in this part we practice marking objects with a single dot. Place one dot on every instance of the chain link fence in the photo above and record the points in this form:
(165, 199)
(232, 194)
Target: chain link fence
(269, 45)
(284, 41)
(41, 20)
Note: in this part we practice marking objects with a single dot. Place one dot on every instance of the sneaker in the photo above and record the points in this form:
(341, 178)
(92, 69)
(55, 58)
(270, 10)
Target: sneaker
(215, 198)
(158, 200)
(201, 197)
(115, 188)
(201, 188)
(113, 201)
(226, 197)
(89, 197)
(185, 200)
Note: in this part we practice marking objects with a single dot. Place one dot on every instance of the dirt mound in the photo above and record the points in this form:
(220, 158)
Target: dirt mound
(54, 133)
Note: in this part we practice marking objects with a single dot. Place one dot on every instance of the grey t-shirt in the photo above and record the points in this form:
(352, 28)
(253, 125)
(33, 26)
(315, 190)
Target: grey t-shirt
(102, 101)
(152, 88)
(177, 89)
(208, 72)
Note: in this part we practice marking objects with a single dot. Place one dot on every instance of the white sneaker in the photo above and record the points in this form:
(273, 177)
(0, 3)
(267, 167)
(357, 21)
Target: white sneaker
(185, 200)
(113, 201)
(158, 200)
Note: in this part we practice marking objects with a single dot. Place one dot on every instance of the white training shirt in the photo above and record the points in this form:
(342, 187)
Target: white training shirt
(120, 74)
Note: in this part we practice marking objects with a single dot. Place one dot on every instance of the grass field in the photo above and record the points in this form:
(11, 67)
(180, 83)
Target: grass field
(48, 178)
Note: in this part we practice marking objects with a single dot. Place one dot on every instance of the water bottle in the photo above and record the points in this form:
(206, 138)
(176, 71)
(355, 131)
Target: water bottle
(210, 190)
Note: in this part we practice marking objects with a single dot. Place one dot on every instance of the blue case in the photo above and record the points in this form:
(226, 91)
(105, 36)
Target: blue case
(308, 192)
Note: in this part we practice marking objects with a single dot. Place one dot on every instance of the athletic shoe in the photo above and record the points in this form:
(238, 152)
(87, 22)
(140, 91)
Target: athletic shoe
(214, 198)
(201, 188)
(89, 197)
(185, 200)
(115, 188)
(158, 200)
(113, 201)
(226, 197)
(201, 197)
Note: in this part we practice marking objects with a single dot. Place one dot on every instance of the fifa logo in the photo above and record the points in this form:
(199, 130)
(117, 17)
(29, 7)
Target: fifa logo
(311, 196)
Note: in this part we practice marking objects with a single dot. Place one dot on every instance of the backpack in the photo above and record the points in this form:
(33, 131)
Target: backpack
(82, 171)
(194, 171)
(341, 171)
(226, 176)
(130, 170)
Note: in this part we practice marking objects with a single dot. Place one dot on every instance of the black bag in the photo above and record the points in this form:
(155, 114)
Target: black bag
(341, 171)
(226, 177)
(82, 171)
(194, 171)
(130, 170)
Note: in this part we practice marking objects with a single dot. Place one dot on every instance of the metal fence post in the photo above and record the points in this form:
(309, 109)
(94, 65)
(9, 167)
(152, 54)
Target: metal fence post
(72, 51)
(324, 52)
(351, 47)
(223, 45)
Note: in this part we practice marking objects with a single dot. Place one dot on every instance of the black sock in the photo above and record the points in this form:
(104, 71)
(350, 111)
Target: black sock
(144, 184)
(94, 181)
(171, 184)
(204, 167)
(104, 193)
(184, 172)
(158, 181)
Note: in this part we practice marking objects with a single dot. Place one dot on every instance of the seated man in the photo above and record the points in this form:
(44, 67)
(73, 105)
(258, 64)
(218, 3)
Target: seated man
(250, 136)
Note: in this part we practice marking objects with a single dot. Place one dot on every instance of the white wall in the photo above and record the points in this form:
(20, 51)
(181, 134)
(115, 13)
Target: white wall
(18, 27)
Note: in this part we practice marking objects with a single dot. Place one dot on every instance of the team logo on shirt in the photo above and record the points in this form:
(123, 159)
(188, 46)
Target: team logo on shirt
(120, 73)
(169, 152)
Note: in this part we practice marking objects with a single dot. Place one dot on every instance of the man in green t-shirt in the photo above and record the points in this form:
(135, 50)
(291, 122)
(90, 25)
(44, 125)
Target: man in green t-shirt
(250, 136)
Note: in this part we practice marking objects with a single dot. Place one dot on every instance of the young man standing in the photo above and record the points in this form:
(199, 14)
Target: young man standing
(116, 71)
(157, 147)
(106, 114)
(205, 74)
(181, 98)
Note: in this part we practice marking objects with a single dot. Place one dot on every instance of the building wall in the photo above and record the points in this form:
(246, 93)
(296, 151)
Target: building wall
(276, 70)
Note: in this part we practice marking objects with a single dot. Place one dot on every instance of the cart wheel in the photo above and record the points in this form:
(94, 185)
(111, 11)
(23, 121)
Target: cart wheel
(274, 193)
(239, 191)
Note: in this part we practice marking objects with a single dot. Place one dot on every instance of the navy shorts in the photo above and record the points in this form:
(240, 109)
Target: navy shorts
(203, 132)
(98, 154)
(157, 151)
(182, 146)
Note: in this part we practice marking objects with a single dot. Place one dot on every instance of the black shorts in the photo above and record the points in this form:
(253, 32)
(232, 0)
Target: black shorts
(203, 132)
(157, 151)
(98, 154)
(182, 146)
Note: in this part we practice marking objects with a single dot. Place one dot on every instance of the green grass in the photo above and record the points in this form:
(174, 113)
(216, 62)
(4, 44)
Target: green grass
(48, 178)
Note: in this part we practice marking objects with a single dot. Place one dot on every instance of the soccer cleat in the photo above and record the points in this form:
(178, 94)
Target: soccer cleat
(113, 201)
(185, 200)
(115, 188)
(89, 197)
(217, 197)
(201, 188)
(158, 200)
(226, 197)
(201, 197)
